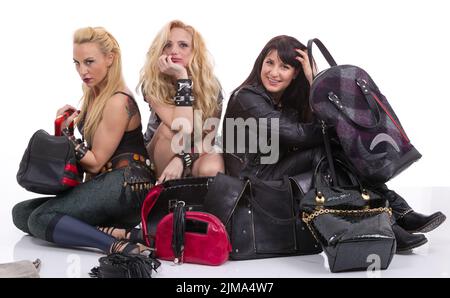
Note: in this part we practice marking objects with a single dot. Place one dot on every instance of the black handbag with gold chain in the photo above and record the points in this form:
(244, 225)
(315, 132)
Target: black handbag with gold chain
(352, 223)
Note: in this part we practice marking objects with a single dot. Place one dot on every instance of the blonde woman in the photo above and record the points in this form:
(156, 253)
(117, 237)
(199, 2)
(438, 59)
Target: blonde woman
(113, 154)
(178, 82)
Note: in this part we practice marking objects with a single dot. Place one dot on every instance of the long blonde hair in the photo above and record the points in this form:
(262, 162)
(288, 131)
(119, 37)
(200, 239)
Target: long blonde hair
(160, 88)
(113, 81)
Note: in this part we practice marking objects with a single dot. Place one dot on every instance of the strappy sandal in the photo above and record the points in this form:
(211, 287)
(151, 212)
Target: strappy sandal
(129, 248)
(134, 235)
(107, 230)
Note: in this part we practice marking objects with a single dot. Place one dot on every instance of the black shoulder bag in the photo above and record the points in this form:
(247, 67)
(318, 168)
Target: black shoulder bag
(49, 165)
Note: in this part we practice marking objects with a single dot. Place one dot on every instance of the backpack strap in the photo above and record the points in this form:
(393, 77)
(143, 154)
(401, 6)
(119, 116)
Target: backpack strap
(322, 49)
(326, 140)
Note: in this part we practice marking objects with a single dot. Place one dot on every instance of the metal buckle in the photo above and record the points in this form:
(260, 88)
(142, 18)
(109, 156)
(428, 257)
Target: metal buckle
(174, 203)
(333, 97)
(359, 81)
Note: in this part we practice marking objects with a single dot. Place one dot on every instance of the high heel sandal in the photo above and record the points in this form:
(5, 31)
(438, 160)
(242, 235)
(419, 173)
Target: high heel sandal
(133, 235)
(108, 230)
(129, 248)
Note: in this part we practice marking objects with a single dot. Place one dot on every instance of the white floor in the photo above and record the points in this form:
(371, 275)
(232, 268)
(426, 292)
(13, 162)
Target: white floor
(429, 260)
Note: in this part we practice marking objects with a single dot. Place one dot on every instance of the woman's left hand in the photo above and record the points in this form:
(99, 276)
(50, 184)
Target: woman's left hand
(304, 60)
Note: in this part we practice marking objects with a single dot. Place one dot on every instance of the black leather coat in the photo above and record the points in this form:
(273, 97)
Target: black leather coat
(254, 102)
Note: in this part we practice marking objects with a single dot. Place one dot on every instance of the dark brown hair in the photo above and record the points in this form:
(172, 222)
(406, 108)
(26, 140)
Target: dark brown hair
(296, 94)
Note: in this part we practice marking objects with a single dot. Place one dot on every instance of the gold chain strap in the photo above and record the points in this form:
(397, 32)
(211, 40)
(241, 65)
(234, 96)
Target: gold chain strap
(307, 218)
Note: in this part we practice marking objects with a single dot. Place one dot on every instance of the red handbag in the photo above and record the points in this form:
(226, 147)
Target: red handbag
(193, 237)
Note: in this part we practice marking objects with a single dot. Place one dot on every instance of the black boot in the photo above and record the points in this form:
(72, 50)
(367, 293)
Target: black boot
(415, 222)
(398, 204)
(407, 241)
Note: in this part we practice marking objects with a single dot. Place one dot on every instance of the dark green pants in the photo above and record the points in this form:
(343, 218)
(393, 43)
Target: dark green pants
(102, 201)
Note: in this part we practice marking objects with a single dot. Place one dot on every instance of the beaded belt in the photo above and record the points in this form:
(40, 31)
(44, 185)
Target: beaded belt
(124, 160)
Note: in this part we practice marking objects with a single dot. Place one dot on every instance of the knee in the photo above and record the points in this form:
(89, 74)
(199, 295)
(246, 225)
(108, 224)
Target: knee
(37, 225)
(211, 169)
(20, 217)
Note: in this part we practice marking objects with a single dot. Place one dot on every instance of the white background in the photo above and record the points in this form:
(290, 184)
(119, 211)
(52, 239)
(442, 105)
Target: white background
(404, 45)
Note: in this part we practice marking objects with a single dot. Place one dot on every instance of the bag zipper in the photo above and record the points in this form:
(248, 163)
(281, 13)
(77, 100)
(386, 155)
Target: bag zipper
(390, 116)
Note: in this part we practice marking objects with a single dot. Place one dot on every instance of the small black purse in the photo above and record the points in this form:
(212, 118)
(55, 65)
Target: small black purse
(353, 224)
(118, 265)
(48, 165)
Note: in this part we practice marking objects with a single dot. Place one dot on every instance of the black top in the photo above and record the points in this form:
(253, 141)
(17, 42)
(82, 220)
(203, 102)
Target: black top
(132, 141)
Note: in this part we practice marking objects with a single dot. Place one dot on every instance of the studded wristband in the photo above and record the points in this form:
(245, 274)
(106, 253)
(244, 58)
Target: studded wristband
(188, 159)
(81, 151)
(183, 95)
(80, 147)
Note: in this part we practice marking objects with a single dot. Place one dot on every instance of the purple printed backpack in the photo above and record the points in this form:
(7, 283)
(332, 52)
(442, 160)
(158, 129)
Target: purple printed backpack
(345, 98)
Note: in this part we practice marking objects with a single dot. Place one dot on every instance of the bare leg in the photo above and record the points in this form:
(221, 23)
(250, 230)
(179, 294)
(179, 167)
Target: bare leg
(160, 150)
(208, 164)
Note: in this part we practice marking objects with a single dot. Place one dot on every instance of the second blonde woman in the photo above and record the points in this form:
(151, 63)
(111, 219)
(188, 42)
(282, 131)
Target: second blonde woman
(185, 98)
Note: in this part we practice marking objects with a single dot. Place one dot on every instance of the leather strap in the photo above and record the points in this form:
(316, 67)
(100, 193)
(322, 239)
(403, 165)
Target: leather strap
(323, 50)
(326, 141)
(179, 228)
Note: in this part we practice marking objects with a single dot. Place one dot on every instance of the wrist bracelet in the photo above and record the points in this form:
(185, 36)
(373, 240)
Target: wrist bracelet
(188, 158)
(184, 101)
(183, 95)
(80, 147)
(184, 86)
(81, 151)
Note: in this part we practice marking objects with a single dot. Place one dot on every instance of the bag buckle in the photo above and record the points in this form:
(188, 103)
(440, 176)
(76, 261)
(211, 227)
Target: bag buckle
(174, 203)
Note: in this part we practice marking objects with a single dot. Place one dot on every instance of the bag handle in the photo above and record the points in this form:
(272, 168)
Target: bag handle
(323, 50)
(147, 206)
(155, 192)
(320, 199)
(324, 160)
(330, 159)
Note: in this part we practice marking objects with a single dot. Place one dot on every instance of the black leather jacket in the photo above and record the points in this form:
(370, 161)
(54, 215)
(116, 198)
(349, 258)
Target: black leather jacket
(254, 102)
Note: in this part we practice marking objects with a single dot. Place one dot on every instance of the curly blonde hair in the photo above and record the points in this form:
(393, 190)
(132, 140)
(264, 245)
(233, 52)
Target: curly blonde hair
(160, 88)
(113, 81)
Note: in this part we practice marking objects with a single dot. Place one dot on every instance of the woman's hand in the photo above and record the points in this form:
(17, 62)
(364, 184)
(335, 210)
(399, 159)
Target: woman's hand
(67, 108)
(169, 68)
(173, 170)
(307, 69)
